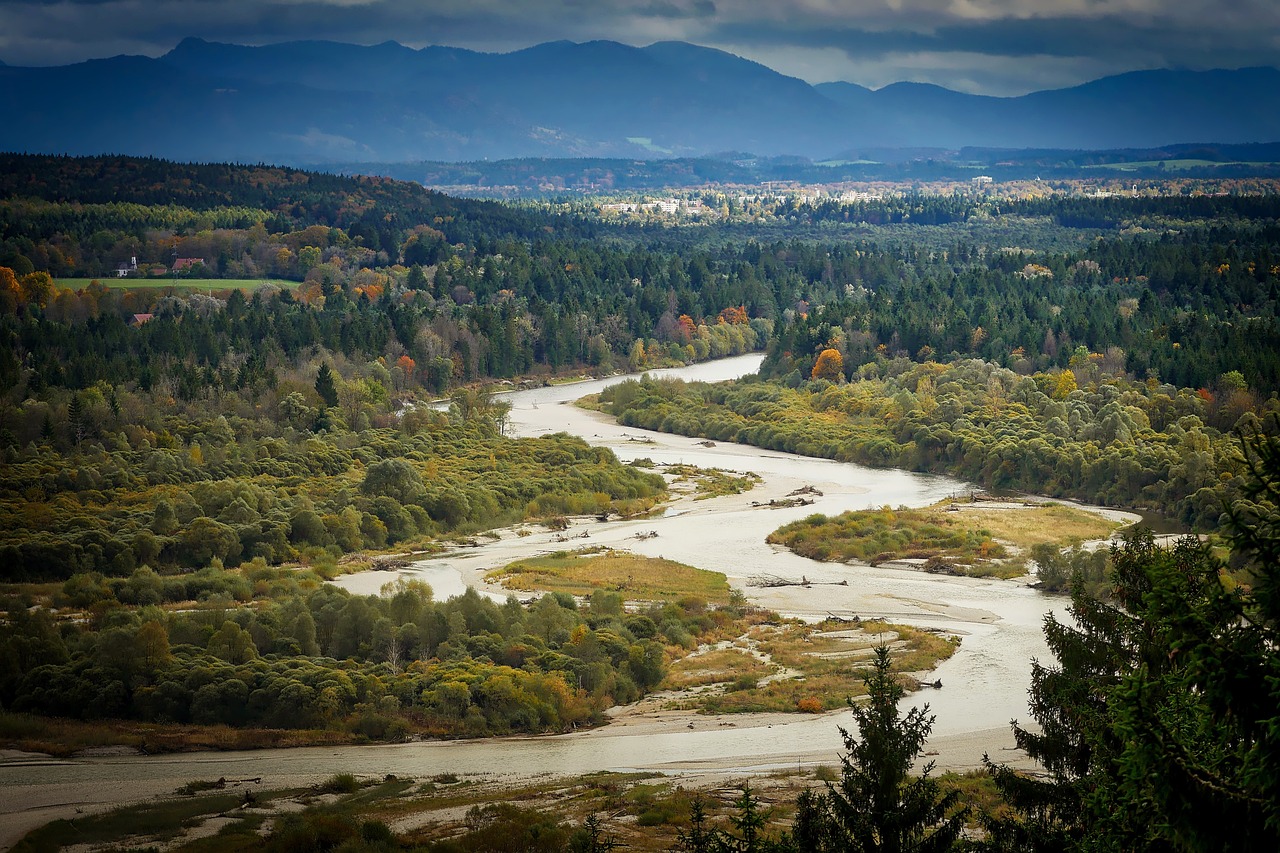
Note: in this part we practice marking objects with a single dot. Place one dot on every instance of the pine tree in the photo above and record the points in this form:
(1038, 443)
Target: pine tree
(748, 824)
(326, 387)
(877, 806)
(591, 838)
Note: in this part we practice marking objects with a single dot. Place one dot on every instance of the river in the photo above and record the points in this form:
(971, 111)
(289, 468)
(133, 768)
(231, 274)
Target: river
(984, 683)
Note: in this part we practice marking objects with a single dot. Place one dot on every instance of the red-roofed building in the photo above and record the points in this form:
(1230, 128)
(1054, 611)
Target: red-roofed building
(185, 264)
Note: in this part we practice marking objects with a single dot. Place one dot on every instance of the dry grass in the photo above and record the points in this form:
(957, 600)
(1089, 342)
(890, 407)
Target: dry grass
(634, 576)
(978, 540)
(1032, 525)
(639, 811)
(721, 666)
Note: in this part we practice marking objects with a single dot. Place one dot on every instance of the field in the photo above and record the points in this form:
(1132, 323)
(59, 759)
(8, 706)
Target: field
(209, 284)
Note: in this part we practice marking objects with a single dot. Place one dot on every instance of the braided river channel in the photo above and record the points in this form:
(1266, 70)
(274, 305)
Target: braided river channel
(984, 685)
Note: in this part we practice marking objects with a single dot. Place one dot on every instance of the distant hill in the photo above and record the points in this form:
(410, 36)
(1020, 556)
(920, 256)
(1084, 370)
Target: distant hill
(325, 102)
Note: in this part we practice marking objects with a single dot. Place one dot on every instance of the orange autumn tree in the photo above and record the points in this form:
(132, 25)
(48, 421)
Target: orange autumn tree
(687, 328)
(829, 366)
(10, 290)
(407, 367)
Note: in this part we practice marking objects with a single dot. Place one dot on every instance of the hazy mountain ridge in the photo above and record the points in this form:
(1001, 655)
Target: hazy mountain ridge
(314, 102)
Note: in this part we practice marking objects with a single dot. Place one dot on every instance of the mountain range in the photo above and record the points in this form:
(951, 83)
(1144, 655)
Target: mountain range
(312, 103)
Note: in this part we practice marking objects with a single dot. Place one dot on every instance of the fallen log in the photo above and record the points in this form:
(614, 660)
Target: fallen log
(771, 581)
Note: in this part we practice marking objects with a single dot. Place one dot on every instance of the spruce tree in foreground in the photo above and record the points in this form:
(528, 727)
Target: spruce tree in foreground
(878, 806)
(1159, 728)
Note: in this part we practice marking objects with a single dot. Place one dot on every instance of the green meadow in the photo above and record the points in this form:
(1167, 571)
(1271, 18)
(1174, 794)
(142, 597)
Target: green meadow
(209, 284)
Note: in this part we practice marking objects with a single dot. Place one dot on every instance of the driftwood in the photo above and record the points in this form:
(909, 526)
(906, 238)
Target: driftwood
(646, 534)
(784, 503)
(804, 490)
(707, 443)
(220, 784)
(771, 581)
(851, 620)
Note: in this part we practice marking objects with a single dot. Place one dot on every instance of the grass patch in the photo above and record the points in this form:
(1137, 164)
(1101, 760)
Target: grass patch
(974, 540)
(201, 284)
(591, 403)
(340, 783)
(634, 576)
(713, 482)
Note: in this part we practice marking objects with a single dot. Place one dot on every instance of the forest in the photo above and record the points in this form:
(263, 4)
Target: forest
(181, 471)
(1116, 441)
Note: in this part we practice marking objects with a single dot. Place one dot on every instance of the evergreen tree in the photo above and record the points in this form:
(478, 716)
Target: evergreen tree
(75, 420)
(1158, 724)
(417, 279)
(749, 826)
(700, 837)
(326, 387)
(591, 838)
(877, 807)
(1198, 717)
(1076, 743)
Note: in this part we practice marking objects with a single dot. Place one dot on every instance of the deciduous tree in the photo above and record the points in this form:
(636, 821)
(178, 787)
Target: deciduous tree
(829, 366)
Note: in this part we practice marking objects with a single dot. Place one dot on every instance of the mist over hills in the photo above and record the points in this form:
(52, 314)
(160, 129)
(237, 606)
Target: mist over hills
(325, 102)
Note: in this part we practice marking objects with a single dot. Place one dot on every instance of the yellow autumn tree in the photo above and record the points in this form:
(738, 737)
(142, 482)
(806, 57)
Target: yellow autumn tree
(1064, 382)
(829, 366)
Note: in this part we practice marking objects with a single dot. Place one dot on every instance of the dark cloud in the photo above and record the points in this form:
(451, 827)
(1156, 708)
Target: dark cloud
(664, 9)
(989, 45)
(1109, 36)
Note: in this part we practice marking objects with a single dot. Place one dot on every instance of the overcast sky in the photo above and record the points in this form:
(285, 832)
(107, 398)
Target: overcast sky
(1001, 47)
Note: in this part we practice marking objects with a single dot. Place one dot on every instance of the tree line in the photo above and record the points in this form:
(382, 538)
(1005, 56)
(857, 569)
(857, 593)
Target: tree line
(1082, 433)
